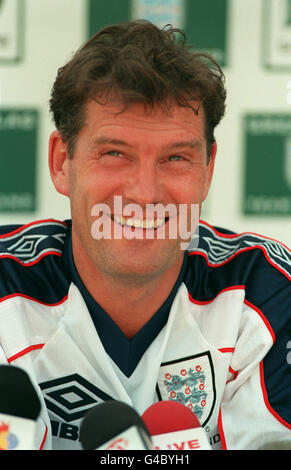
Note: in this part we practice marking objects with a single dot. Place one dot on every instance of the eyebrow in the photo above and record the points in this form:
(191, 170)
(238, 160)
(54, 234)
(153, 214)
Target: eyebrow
(193, 144)
(108, 140)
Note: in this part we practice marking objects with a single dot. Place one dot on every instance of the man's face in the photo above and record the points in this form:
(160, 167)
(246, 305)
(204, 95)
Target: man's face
(145, 159)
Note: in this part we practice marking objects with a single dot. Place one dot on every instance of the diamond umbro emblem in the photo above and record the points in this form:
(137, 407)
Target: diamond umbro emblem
(70, 397)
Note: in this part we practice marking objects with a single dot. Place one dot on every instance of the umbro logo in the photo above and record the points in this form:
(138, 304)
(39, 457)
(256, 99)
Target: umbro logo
(70, 397)
(33, 241)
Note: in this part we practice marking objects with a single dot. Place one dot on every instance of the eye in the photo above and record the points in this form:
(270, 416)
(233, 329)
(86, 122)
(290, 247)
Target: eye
(113, 153)
(113, 158)
(176, 158)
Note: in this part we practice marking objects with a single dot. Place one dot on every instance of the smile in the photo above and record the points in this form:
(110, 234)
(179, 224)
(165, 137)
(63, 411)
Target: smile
(138, 223)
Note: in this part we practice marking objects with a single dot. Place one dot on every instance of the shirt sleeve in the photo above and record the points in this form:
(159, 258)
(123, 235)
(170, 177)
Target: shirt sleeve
(256, 408)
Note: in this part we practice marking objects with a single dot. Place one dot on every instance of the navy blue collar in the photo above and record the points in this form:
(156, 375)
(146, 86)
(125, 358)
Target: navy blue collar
(124, 352)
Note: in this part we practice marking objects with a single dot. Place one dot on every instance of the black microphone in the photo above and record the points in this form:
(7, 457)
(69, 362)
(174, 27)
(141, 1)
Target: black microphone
(114, 425)
(19, 409)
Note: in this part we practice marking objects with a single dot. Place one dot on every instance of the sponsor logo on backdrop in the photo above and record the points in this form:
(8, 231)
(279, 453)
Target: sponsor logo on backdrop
(19, 143)
(276, 39)
(11, 29)
(267, 154)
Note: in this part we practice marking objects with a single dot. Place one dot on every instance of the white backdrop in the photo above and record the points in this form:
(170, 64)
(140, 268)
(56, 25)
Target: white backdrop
(54, 29)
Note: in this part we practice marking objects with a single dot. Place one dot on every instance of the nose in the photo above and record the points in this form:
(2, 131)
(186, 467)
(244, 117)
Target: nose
(144, 186)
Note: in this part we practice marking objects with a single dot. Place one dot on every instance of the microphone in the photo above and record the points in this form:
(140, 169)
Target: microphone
(174, 426)
(114, 425)
(19, 409)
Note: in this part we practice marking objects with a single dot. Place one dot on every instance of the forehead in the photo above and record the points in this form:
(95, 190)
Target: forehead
(114, 117)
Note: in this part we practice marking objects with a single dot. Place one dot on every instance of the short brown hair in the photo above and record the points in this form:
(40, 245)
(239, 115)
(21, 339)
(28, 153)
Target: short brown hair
(141, 63)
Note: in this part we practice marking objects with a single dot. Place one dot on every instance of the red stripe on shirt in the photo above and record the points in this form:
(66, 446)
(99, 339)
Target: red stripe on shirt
(25, 351)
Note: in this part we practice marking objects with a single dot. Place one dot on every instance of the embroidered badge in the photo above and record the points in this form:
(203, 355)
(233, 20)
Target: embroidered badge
(189, 380)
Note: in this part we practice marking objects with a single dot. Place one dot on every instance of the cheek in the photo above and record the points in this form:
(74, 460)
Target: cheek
(189, 190)
(79, 198)
(92, 186)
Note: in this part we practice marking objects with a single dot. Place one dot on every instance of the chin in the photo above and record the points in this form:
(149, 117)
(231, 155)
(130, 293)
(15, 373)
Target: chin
(136, 264)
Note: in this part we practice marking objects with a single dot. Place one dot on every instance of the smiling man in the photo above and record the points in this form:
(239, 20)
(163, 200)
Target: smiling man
(146, 159)
(116, 302)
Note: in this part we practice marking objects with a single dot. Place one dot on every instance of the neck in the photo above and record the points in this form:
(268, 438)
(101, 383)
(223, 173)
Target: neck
(131, 301)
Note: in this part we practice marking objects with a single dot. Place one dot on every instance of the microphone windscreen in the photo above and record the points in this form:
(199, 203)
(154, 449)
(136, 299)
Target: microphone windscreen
(174, 426)
(107, 420)
(169, 416)
(18, 396)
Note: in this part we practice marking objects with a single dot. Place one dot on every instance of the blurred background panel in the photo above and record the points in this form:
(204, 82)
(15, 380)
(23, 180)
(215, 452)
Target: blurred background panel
(251, 190)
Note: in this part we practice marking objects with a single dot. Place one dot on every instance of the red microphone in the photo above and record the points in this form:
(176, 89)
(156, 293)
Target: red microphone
(174, 426)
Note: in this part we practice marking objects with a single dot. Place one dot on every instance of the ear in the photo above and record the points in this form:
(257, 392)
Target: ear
(209, 169)
(58, 163)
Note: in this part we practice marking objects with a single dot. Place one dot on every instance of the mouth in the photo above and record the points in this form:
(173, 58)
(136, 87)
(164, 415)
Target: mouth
(147, 224)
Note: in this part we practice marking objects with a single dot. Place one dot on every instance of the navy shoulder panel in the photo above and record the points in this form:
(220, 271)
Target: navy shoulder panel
(263, 267)
(259, 264)
(27, 244)
(220, 246)
(31, 260)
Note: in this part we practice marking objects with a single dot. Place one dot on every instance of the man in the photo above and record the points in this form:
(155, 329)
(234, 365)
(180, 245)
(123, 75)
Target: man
(110, 304)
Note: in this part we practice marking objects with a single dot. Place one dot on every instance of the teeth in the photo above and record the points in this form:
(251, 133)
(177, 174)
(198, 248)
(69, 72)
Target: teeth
(137, 223)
